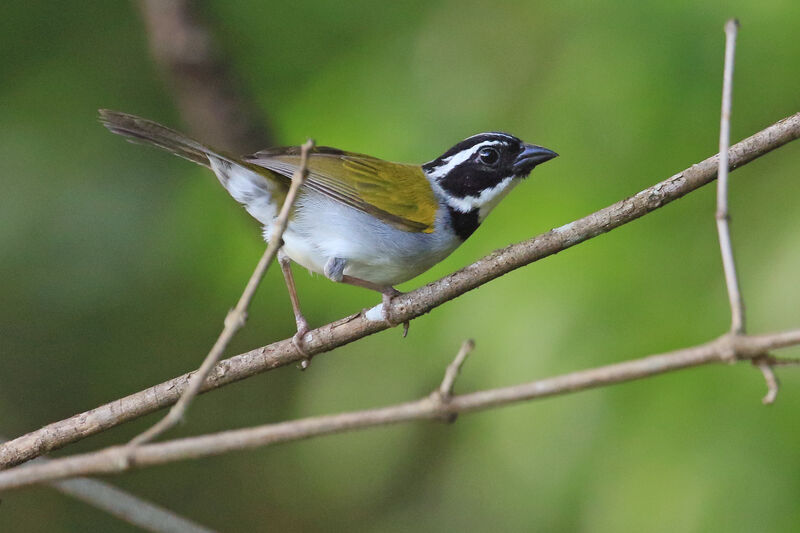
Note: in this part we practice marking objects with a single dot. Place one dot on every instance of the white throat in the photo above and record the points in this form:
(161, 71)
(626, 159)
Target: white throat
(486, 200)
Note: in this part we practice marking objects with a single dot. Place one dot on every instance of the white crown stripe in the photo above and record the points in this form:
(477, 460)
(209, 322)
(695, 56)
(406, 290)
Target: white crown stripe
(493, 134)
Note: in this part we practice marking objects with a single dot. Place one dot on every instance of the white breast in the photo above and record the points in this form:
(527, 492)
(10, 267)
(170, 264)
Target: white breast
(375, 251)
(322, 229)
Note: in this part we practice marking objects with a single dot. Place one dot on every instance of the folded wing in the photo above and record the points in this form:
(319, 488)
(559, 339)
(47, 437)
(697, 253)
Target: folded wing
(397, 194)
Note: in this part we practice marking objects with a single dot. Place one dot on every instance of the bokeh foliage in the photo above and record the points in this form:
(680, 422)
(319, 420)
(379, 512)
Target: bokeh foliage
(118, 263)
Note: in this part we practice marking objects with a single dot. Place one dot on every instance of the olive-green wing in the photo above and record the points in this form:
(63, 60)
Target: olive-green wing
(398, 194)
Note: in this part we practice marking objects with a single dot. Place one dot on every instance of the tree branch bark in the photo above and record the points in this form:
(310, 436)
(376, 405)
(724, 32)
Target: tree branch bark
(405, 307)
(124, 505)
(433, 407)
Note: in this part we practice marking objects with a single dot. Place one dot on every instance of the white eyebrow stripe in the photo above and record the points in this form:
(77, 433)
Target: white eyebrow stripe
(456, 159)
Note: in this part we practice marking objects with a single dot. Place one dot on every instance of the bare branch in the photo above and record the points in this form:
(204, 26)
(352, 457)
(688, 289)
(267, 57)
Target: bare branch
(731, 280)
(446, 388)
(124, 505)
(238, 315)
(405, 307)
(210, 100)
(115, 459)
(735, 298)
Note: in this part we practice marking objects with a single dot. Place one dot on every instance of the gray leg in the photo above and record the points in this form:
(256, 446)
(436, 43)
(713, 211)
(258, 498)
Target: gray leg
(300, 320)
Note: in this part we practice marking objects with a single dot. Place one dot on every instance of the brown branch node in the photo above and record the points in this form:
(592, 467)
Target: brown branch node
(730, 348)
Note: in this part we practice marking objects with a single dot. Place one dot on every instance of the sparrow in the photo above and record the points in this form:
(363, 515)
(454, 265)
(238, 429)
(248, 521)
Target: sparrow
(358, 219)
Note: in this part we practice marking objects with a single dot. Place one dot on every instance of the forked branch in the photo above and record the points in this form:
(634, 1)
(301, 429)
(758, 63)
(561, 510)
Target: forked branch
(433, 407)
(735, 298)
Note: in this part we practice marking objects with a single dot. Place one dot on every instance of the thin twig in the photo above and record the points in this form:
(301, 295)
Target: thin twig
(451, 373)
(124, 505)
(731, 280)
(113, 460)
(738, 326)
(405, 307)
(237, 317)
(771, 380)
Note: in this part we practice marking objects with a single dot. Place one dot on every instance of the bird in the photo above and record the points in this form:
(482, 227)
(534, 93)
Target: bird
(358, 219)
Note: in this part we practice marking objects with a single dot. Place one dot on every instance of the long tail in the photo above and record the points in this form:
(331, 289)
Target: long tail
(146, 131)
(258, 189)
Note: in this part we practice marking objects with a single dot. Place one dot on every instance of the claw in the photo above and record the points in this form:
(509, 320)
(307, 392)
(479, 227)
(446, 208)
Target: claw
(386, 303)
(298, 340)
(387, 293)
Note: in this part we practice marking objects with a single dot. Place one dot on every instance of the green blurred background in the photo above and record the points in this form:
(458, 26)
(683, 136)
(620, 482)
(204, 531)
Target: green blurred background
(118, 264)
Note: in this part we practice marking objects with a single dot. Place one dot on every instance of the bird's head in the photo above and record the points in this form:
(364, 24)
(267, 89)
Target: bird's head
(478, 172)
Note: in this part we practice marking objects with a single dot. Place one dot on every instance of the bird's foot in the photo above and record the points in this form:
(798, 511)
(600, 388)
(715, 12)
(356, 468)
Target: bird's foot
(387, 297)
(299, 342)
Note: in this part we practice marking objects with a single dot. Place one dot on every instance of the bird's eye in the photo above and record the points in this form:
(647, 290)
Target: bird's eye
(488, 156)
